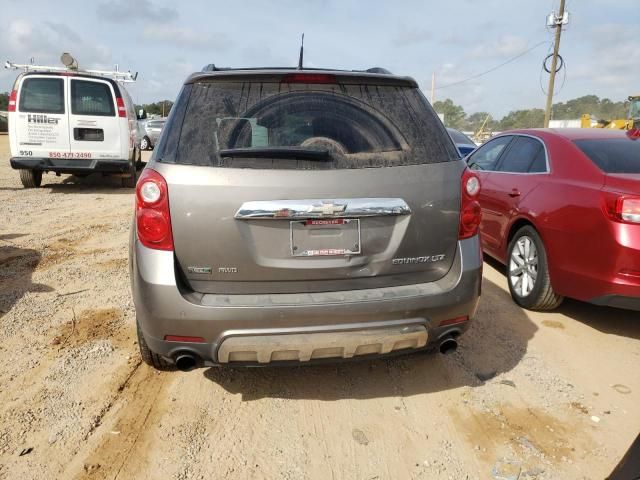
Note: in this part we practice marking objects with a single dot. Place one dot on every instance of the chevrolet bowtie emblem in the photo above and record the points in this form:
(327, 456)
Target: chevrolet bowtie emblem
(326, 208)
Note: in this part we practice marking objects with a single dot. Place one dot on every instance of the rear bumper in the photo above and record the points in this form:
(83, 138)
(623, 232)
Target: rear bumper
(71, 165)
(618, 301)
(162, 308)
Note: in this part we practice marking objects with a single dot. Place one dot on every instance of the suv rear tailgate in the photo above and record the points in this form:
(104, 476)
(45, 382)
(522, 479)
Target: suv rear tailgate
(219, 253)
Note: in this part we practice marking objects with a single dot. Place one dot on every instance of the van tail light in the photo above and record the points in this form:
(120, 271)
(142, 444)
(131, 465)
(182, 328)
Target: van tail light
(122, 110)
(470, 212)
(153, 220)
(622, 208)
(12, 101)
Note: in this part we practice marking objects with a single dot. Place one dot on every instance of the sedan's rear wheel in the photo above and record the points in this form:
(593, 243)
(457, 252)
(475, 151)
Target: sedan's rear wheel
(145, 144)
(528, 272)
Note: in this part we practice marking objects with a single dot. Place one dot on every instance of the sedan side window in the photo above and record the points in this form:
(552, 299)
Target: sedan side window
(539, 164)
(521, 155)
(486, 157)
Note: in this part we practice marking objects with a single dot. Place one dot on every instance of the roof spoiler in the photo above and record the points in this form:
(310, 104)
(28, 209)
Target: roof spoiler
(211, 67)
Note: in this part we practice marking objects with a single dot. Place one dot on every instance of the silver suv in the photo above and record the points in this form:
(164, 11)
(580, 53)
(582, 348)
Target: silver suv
(290, 216)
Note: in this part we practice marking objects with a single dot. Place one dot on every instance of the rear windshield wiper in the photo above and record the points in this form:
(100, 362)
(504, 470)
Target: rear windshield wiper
(278, 152)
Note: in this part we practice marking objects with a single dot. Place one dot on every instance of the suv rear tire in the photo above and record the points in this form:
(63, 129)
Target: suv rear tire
(151, 358)
(527, 255)
(31, 178)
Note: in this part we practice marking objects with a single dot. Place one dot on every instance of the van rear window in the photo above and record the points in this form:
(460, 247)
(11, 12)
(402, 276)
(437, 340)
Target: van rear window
(42, 95)
(613, 155)
(91, 98)
(302, 126)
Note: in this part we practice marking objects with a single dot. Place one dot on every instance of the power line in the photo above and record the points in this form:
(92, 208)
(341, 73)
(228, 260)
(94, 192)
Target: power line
(494, 68)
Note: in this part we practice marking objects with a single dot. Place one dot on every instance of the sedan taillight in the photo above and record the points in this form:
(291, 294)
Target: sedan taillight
(153, 220)
(622, 208)
(470, 212)
(629, 209)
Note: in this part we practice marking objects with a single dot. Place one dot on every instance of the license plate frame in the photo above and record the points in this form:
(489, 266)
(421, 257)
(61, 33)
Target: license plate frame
(303, 244)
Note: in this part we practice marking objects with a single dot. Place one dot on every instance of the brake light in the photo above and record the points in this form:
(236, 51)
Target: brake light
(622, 208)
(12, 101)
(309, 78)
(634, 133)
(153, 220)
(470, 212)
(122, 110)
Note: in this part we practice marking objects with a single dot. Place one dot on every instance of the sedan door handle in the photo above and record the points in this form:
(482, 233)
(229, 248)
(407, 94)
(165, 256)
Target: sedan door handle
(514, 193)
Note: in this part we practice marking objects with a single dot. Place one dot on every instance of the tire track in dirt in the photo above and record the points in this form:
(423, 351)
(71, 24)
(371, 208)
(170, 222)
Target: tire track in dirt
(117, 443)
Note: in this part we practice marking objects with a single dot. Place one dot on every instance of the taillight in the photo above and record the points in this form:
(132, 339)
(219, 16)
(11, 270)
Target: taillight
(470, 212)
(122, 110)
(622, 208)
(153, 220)
(12, 101)
(309, 78)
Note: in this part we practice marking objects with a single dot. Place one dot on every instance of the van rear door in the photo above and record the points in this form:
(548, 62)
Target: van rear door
(40, 124)
(94, 122)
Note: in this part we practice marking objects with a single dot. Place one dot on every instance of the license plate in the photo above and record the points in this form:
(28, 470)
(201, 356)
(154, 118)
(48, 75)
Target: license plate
(325, 237)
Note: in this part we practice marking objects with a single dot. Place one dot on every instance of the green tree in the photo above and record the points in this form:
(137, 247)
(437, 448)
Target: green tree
(474, 121)
(4, 101)
(157, 108)
(604, 109)
(532, 118)
(454, 115)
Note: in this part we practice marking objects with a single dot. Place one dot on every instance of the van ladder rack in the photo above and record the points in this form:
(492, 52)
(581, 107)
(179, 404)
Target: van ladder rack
(124, 77)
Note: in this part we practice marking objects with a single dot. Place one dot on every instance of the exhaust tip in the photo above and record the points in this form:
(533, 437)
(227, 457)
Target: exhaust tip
(186, 362)
(448, 346)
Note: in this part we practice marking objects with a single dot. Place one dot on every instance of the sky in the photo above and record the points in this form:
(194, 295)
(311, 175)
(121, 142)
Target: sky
(166, 40)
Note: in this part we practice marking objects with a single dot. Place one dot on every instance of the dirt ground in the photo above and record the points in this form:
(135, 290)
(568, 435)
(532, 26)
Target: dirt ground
(539, 395)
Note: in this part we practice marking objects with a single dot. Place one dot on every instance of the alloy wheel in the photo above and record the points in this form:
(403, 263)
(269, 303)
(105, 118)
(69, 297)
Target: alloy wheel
(523, 266)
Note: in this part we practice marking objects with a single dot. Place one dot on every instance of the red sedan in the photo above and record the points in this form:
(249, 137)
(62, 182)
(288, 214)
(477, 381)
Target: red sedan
(561, 208)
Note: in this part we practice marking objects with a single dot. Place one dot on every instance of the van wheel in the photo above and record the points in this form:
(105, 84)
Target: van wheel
(139, 162)
(151, 358)
(528, 272)
(145, 143)
(31, 178)
(130, 181)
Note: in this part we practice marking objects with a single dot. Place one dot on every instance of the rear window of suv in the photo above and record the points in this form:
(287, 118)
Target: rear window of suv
(266, 124)
(613, 155)
(42, 95)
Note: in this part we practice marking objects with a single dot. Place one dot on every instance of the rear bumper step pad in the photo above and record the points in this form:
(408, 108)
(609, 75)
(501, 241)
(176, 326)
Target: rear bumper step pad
(311, 346)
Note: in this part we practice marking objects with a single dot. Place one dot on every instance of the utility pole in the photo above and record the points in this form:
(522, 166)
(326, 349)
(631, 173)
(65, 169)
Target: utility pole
(556, 22)
(433, 86)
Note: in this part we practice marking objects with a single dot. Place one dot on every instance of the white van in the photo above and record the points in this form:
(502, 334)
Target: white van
(72, 122)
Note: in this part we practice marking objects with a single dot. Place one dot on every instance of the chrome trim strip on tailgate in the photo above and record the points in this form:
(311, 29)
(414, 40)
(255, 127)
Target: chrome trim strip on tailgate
(313, 346)
(318, 208)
